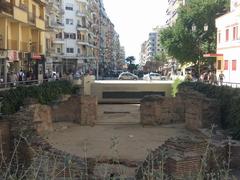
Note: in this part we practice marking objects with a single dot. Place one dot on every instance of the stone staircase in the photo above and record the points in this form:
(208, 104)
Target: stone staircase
(118, 114)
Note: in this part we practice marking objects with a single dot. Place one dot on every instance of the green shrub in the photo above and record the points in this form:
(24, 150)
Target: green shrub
(44, 93)
(229, 99)
(175, 86)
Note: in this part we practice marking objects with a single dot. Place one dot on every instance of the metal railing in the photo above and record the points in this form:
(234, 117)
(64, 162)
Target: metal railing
(231, 84)
(9, 85)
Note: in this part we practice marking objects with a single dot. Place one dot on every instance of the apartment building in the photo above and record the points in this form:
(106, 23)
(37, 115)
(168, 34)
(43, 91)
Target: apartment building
(171, 12)
(228, 44)
(22, 36)
(143, 54)
(77, 42)
(54, 30)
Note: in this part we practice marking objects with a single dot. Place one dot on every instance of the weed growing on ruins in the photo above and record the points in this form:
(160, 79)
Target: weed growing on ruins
(13, 99)
(48, 165)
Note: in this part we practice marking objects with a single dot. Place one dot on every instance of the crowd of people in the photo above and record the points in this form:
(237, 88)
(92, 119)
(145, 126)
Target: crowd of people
(208, 77)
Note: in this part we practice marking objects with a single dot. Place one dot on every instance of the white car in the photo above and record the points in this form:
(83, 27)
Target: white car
(127, 76)
(152, 76)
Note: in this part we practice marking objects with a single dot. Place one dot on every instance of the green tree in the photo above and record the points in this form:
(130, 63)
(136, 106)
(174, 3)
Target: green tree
(131, 66)
(161, 57)
(185, 45)
(130, 59)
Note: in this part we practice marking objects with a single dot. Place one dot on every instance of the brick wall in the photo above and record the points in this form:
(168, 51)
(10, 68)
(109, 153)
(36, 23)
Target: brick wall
(78, 109)
(67, 110)
(88, 110)
(161, 110)
(182, 157)
(191, 107)
(200, 111)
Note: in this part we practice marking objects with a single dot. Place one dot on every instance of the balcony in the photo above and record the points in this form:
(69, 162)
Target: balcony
(56, 25)
(82, 27)
(58, 41)
(40, 23)
(81, 13)
(6, 7)
(42, 2)
(83, 1)
(82, 42)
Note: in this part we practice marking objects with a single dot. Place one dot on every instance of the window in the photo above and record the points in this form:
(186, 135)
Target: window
(58, 50)
(70, 50)
(226, 65)
(66, 35)
(235, 33)
(227, 34)
(234, 65)
(78, 50)
(219, 37)
(219, 65)
(69, 7)
(59, 35)
(72, 36)
(69, 21)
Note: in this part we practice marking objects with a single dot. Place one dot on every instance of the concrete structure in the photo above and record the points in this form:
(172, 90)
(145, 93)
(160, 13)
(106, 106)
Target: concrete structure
(54, 29)
(22, 36)
(128, 91)
(171, 12)
(228, 44)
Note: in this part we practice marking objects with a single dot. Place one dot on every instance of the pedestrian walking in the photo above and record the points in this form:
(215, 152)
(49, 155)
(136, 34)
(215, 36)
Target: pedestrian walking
(221, 77)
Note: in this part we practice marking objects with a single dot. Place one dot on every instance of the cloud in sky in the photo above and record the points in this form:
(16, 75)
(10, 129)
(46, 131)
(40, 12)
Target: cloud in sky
(134, 19)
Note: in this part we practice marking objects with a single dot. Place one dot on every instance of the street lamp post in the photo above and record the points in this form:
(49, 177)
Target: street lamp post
(199, 38)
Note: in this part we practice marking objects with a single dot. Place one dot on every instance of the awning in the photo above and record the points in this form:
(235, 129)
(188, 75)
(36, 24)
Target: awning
(212, 55)
(36, 56)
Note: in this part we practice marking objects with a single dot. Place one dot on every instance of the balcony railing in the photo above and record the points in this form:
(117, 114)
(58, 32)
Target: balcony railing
(6, 7)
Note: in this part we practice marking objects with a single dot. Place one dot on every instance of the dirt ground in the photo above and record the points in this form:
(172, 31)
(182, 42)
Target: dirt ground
(117, 135)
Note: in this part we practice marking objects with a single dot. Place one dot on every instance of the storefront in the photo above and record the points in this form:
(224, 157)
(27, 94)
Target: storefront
(36, 65)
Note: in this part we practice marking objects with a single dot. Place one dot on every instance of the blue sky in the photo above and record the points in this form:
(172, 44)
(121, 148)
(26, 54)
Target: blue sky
(134, 19)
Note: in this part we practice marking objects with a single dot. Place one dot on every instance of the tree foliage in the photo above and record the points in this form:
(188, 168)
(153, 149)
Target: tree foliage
(185, 45)
(130, 59)
(161, 57)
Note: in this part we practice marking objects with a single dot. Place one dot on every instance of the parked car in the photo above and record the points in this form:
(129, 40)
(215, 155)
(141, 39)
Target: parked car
(127, 76)
(152, 76)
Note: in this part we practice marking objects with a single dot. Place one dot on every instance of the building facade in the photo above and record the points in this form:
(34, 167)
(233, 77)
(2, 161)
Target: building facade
(228, 44)
(22, 43)
(54, 28)
(171, 12)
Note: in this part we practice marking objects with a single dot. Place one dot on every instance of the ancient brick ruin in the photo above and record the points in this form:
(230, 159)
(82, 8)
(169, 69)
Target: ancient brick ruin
(156, 110)
(184, 157)
(191, 107)
(23, 133)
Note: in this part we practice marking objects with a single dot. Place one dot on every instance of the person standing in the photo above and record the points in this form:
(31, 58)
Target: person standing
(221, 77)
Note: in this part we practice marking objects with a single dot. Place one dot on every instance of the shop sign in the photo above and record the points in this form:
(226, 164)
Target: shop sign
(3, 54)
(12, 56)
